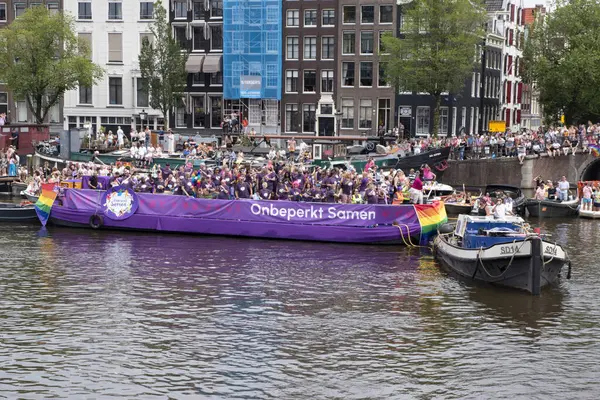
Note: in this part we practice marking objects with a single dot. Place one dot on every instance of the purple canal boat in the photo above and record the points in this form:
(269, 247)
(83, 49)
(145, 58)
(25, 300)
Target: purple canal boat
(121, 208)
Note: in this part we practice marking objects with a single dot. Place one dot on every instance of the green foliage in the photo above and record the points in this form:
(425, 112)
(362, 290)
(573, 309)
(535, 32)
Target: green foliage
(561, 57)
(41, 58)
(435, 52)
(162, 65)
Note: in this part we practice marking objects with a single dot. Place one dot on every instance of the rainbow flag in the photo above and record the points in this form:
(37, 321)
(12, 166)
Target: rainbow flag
(430, 218)
(595, 149)
(44, 203)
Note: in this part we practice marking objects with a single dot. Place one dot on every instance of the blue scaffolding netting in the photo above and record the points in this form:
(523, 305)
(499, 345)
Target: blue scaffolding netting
(252, 49)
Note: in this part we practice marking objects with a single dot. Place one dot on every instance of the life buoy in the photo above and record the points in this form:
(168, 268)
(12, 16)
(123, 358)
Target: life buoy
(370, 146)
(96, 221)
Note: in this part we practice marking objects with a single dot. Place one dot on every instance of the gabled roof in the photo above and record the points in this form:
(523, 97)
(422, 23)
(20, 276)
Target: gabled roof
(494, 5)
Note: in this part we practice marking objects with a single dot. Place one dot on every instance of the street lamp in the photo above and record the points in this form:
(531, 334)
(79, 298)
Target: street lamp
(143, 116)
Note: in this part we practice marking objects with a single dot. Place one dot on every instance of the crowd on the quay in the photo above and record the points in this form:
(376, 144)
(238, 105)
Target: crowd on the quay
(274, 181)
(553, 141)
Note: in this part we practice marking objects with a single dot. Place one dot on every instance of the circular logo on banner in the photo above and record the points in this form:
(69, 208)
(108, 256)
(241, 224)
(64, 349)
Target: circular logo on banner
(119, 203)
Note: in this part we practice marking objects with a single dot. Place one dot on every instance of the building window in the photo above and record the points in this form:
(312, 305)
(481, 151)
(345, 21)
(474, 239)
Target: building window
(272, 42)
(146, 38)
(381, 44)
(384, 113)
(216, 78)
(326, 81)
(142, 99)
(216, 37)
(115, 11)
(365, 111)
(328, 18)
(386, 14)
(291, 81)
(216, 8)
(87, 39)
(327, 109)
(293, 18)
(348, 113)
(463, 117)
(199, 108)
(3, 12)
(199, 43)
(422, 121)
(366, 42)
(310, 48)
(310, 18)
(292, 120)
(84, 10)
(454, 120)
(308, 117)
(180, 117)
(310, 81)
(443, 120)
(115, 48)
(367, 14)
(20, 9)
(348, 74)
(349, 43)
(198, 79)
(85, 95)
(198, 10)
(349, 15)
(381, 78)
(21, 111)
(180, 36)
(366, 73)
(273, 74)
(216, 111)
(115, 90)
(146, 10)
(292, 48)
(327, 48)
(180, 9)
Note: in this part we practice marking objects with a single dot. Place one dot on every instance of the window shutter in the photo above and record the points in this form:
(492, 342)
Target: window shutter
(115, 47)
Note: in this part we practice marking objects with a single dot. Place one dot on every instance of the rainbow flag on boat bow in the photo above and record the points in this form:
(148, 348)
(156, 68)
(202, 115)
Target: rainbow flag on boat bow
(430, 218)
(45, 201)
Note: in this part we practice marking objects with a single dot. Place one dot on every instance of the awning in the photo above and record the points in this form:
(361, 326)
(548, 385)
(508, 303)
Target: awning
(212, 64)
(194, 63)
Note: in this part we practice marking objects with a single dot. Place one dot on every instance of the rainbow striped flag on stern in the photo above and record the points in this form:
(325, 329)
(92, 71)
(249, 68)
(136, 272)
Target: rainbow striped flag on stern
(45, 201)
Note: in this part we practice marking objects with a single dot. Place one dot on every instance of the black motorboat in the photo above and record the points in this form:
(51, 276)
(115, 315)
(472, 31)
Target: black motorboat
(17, 212)
(458, 208)
(552, 208)
(501, 190)
(502, 252)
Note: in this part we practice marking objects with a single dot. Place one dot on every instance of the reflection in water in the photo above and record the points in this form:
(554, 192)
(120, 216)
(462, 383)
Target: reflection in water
(105, 314)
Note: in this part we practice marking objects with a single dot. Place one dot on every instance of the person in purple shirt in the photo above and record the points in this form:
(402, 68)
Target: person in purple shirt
(371, 194)
(223, 192)
(242, 189)
(317, 193)
(265, 193)
(166, 171)
(295, 192)
(347, 188)
(283, 191)
(364, 182)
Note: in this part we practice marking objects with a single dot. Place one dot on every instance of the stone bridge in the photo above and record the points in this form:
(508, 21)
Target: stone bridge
(479, 173)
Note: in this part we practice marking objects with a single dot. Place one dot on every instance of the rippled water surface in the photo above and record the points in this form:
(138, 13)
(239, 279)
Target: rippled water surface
(87, 314)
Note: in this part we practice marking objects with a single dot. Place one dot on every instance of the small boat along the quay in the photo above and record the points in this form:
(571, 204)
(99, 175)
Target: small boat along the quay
(30, 196)
(501, 252)
(458, 208)
(120, 208)
(589, 214)
(514, 192)
(12, 212)
(551, 208)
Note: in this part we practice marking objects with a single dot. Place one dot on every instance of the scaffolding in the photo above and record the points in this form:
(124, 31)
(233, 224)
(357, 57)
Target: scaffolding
(252, 48)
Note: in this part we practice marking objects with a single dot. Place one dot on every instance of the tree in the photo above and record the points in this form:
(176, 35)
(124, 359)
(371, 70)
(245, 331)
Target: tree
(162, 65)
(436, 48)
(561, 58)
(41, 58)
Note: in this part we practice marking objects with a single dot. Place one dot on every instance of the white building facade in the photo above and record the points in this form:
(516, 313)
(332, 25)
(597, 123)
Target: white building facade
(115, 30)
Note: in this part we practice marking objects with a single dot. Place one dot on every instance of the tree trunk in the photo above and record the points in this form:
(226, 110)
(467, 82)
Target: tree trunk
(436, 115)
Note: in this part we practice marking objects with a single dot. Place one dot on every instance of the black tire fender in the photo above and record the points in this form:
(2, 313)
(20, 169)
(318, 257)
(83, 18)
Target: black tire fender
(96, 221)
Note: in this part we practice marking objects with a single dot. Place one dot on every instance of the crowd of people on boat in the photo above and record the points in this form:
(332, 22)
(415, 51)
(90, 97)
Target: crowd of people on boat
(279, 180)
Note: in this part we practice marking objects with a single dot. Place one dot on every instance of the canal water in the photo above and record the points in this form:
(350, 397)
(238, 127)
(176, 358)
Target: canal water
(88, 314)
